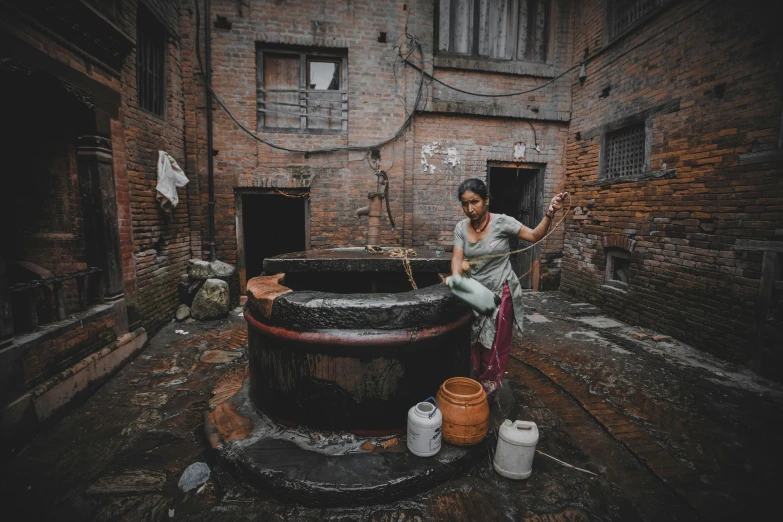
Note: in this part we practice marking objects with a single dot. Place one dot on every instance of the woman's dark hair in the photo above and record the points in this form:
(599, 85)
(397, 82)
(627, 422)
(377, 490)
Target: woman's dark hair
(474, 185)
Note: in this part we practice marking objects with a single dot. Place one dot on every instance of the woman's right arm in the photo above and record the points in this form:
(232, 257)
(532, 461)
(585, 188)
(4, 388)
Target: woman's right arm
(457, 256)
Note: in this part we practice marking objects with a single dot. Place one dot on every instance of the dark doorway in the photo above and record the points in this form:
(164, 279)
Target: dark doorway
(516, 193)
(272, 224)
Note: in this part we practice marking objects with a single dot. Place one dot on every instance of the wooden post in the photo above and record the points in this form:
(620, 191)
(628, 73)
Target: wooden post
(59, 300)
(82, 293)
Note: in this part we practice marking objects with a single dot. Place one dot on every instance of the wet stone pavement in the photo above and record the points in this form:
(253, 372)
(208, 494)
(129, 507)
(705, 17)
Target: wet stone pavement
(672, 434)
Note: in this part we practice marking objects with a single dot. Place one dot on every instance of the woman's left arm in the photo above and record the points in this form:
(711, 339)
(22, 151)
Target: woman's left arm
(533, 235)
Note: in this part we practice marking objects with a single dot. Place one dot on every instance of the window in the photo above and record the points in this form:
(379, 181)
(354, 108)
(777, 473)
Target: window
(501, 29)
(624, 14)
(302, 91)
(111, 9)
(624, 152)
(150, 60)
(618, 267)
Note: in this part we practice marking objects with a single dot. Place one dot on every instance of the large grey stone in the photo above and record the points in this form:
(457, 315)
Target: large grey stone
(212, 301)
(183, 312)
(199, 270)
(221, 269)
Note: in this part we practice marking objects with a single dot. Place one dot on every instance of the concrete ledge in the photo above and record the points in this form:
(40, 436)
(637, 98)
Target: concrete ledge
(58, 391)
(20, 418)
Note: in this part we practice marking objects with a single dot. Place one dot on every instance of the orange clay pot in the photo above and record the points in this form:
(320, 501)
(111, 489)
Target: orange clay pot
(465, 410)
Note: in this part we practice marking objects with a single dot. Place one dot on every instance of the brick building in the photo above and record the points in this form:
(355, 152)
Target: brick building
(662, 118)
(88, 261)
(263, 48)
(674, 162)
(669, 144)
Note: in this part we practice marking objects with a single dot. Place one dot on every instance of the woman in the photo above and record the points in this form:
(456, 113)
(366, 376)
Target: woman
(482, 234)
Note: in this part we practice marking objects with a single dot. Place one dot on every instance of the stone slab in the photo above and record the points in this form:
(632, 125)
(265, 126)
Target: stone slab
(130, 481)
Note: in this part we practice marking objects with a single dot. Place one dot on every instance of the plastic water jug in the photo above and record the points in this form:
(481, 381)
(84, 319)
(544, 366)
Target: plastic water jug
(424, 428)
(516, 448)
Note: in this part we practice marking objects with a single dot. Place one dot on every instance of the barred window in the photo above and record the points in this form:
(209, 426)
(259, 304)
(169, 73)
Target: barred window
(624, 152)
(150, 61)
(302, 91)
(624, 14)
(618, 267)
(500, 29)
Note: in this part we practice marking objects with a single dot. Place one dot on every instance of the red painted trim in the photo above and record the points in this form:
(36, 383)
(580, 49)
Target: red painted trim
(355, 337)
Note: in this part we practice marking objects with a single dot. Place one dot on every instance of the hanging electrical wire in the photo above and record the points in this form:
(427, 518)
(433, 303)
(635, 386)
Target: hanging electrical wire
(497, 95)
(413, 41)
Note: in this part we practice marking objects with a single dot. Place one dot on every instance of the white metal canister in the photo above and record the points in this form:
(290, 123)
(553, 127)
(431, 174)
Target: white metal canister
(424, 428)
(516, 448)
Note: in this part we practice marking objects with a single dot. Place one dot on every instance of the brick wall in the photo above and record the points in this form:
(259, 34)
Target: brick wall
(156, 247)
(44, 359)
(717, 66)
(424, 206)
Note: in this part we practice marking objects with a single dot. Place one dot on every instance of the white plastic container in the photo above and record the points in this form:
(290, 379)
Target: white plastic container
(424, 429)
(516, 448)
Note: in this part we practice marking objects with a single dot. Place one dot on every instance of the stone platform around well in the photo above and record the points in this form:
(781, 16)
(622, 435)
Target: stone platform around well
(318, 468)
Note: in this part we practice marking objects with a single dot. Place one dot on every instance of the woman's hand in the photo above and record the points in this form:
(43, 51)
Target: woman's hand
(556, 203)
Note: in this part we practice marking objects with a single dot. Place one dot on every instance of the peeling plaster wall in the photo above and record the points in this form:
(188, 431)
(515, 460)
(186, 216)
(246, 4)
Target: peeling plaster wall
(469, 131)
(456, 150)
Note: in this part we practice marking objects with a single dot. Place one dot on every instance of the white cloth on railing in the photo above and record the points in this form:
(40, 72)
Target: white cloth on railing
(170, 177)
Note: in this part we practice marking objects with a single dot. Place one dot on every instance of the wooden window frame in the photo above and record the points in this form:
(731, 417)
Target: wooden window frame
(306, 55)
(551, 30)
(612, 129)
(611, 14)
(148, 23)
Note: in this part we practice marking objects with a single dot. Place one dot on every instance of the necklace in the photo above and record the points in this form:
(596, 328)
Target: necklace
(479, 231)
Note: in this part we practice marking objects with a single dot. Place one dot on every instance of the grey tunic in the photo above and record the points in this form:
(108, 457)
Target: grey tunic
(492, 272)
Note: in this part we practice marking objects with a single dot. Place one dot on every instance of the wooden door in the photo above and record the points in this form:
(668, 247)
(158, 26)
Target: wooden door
(516, 193)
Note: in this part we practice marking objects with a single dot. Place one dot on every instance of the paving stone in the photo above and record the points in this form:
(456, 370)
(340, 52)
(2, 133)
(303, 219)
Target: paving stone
(147, 419)
(151, 399)
(219, 356)
(228, 385)
(130, 482)
(130, 508)
(229, 423)
(601, 322)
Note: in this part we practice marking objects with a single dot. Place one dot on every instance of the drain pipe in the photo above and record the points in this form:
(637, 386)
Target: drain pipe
(210, 152)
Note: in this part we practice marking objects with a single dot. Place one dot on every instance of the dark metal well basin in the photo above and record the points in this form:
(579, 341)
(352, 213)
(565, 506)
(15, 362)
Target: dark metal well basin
(352, 361)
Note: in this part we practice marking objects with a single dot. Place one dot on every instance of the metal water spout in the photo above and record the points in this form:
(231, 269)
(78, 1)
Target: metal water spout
(374, 210)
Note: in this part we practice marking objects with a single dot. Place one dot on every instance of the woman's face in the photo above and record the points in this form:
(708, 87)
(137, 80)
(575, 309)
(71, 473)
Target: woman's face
(473, 205)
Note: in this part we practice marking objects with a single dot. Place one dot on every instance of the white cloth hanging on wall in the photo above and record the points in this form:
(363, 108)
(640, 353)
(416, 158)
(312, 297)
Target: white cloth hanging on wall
(170, 177)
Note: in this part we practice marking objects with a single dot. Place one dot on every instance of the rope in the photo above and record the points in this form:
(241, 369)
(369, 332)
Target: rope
(293, 194)
(474, 262)
(399, 253)
(566, 464)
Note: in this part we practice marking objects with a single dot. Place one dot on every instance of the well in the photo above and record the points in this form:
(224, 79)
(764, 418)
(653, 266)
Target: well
(339, 340)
